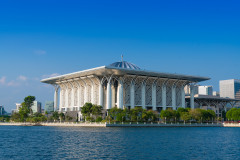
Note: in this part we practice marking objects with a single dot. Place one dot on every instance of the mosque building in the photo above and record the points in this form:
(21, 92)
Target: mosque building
(122, 85)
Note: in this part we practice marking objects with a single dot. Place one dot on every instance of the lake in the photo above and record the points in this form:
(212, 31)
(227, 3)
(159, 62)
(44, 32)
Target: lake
(176, 143)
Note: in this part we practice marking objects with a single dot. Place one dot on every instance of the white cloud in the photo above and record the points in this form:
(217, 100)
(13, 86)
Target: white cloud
(13, 84)
(51, 75)
(22, 78)
(3, 80)
(40, 52)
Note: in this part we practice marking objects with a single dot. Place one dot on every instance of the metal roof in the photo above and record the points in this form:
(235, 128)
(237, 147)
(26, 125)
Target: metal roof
(111, 70)
(124, 65)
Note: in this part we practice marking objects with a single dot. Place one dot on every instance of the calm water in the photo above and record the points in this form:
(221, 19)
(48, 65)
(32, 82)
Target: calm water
(119, 143)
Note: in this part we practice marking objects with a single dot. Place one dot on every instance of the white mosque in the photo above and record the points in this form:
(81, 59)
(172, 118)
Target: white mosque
(122, 84)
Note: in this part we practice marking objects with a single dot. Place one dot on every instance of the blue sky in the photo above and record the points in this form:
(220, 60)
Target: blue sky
(41, 38)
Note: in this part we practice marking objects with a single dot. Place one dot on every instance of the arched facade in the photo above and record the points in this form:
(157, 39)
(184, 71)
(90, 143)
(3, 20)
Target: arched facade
(111, 86)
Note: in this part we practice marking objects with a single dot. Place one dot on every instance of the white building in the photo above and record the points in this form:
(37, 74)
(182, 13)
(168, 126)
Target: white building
(231, 89)
(2, 111)
(205, 90)
(215, 93)
(36, 107)
(122, 84)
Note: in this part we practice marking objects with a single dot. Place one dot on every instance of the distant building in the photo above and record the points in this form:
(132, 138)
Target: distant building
(230, 89)
(36, 107)
(2, 111)
(49, 106)
(205, 90)
(215, 93)
(18, 106)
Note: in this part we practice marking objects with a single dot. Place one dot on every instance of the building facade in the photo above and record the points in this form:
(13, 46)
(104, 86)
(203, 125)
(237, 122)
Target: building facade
(230, 89)
(123, 85)
(49, 106)
(205, 90)
(36, 107)
(2, 111)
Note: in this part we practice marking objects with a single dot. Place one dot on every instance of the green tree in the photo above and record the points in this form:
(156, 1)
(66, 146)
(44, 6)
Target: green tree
(61, 116)
(185, 116)
(169, 114)
(23, 112)
(29, 101)
(86, 110)
(196, 114)
(231, 114)
(16, 117)
(55, 116)
(236, 115)
(96, 110)
(114, 113)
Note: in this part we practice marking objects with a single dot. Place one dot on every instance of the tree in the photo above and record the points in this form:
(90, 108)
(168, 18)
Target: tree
(185, 116)
(196, 114)
(231, 115)
(24, 111)
(86, 109)
(29, 101)
(169, 114)
(114, 112)
(96, 110)
(16, 117)
(61, 116)
(55, 116)
(136, 114)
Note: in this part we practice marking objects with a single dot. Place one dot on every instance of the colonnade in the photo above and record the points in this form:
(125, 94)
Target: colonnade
(125, 91)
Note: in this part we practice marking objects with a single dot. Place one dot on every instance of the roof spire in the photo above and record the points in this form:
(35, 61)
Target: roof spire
(122, 57)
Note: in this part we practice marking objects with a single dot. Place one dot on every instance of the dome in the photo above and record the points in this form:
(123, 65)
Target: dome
(124, 65)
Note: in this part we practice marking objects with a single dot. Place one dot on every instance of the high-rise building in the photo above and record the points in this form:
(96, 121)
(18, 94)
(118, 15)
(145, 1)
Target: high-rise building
(205, 90)
(49, 106)
(36, 107)
(230, 89)
(2, 111)
(215, 93)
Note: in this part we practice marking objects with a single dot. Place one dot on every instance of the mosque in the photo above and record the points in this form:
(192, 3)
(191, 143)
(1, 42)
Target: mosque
(122, 85)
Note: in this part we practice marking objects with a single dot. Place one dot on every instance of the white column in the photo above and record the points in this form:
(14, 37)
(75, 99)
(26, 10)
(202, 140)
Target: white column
(72, 97)
(192, 97)
(56, 98)
(183, 97)
(144, 95)
(109, 95)
(174, 97)
(164, 97)
(92, 93)
(79, 95)
(86, 94)
(132, 95)
(120, 95)
(100, 95)
(154, 97)
(61, 99)
(66, 98)
(113, 96)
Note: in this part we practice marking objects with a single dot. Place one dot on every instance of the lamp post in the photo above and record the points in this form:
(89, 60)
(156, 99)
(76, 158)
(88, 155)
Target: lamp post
(165, 120)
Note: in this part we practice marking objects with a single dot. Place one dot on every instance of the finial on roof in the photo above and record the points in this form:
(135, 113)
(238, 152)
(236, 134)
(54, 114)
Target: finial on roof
(122, 57)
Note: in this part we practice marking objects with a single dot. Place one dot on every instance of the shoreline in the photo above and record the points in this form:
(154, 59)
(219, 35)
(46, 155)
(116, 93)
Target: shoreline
(93, 124)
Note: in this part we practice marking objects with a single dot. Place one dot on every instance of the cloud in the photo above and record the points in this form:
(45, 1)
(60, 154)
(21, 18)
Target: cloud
(40, 52)
(3, 80)
(13, 84)
(51, 75)
(22, 78)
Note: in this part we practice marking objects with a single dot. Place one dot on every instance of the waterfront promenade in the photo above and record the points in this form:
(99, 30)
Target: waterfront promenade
(106, 124)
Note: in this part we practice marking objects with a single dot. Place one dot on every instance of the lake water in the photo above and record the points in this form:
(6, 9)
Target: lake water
(201, 143)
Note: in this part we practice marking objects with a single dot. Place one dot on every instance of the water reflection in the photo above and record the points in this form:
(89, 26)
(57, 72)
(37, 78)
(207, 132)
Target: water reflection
(119, 143)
